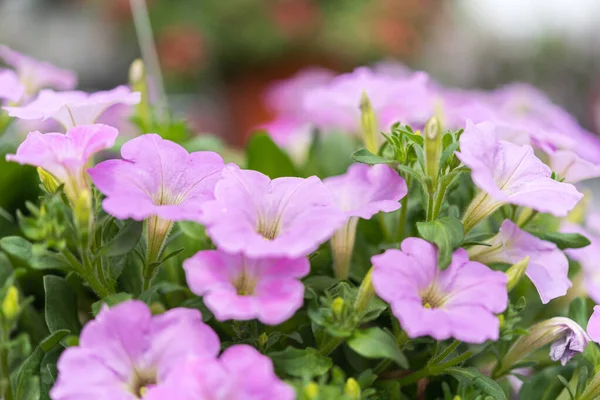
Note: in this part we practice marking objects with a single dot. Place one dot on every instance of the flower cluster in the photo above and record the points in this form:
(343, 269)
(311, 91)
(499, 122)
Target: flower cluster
(211, 279)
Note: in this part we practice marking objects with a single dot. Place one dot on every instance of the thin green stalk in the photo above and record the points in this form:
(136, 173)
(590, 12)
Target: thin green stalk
(88, 274)
(400, 232)
(439, 197)
(330, 345)
(432, 370)
(439, 358)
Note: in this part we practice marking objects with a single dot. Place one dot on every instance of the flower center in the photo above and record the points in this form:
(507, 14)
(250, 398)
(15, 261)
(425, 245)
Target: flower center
(141, 379)
(432, 297)
(267, 228)
(245, 284)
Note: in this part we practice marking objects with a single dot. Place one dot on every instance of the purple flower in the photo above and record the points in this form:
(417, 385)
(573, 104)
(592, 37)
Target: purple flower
(593, 327)
(548, 267)
(292, 134)
(361, 192)
(571, 167)
(240, 373)
(35, 74)
(73, 108)
(336, 105)
(157, 177)
(458, 302)
(66, 156)
(125, 351)
(283, 217)
(241, 288)
(10, 86)
(508, 173)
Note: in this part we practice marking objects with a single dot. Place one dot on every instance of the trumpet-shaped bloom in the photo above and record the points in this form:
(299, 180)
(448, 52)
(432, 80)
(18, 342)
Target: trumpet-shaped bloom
(283, 217)
(361, 192)
(35, 74)
(157, 177)
(66, 156)
(458, 302)
(571, 167)
(335, 105)
(11, 88)
(126, 350)
(593, 327)
(240, 373)
(73, 108)
(241, 288)
(508, 173)
(548, 266)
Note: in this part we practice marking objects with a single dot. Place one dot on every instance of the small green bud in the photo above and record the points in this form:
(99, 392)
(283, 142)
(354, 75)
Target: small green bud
(433, 148)
(365, 293)
(83, 211)
(48, 181)
(10, 304)
(139, 83)
(369, 124)
(311, 391)
(157, 308)
(338, 306)
(516, 272)
(457, 397)
(352, 389)
(262, 340)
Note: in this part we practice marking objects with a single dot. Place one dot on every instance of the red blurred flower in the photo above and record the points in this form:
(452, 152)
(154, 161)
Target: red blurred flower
(181, 49)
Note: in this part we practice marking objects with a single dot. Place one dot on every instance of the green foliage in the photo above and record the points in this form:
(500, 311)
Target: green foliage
(377, 343)
(301, 363)
(487, 385)
(563, 240)
(60, 305)
(447, 234)
(264, 156)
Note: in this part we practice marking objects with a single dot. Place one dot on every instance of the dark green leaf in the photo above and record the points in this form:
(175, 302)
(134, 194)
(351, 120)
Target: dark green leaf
(110, 301)
(543, 385)
(563, 240)
(193, 230)
(364, 156)
(37, 258)
(565, 383)
(484, 383)
(264, 156)
(125, 241)
(377, 343)
(302, 363)
(446, 233)
(330, 154)
(61, 305)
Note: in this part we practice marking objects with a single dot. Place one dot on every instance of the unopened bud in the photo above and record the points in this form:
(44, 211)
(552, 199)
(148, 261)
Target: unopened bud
(139, 83)
(157, 308)
(365, 293)
(516, 272)
(352, 389)
(338, 306)
(48, 181)
(10, 304)
(263, 339)
(369, 124)
(137, 73)
(311, 391)
(433, 148)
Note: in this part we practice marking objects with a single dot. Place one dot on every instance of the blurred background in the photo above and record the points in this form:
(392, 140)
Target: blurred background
(218, 56)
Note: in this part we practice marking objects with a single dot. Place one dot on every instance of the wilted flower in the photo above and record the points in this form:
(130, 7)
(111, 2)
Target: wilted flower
(567, 338)
(125, 351)
(35, 75)
(240, 288)
(11, 89)
(73, 108)
(458, 302)
(240, 373)
(361, 192)
(283, 217)
(66, 156)
(548, 266)
(509, 174)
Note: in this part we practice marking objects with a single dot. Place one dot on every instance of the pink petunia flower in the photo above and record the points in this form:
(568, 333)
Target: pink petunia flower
(159, 181)
(11, 88)
(508, 173)
(240, 288)
(73, 108)
(35, 74)
(66, 156)
(125, 351)
(571, 167)
(361, 192)
(593, 326)
(548, 266)
(335, 105)
(283, 217)
(292, 134)
(458, 302)
(240, 373)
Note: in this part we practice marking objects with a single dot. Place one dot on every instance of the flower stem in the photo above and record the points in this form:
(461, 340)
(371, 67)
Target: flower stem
(8, 394)
(88, 273)
(432, 370)
(439, 358)
(330, 345)
(400, 232)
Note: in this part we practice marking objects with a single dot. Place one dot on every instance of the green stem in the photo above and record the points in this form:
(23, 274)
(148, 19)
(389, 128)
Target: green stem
(439, 197)
(88, 274)
(331, 345)
(403, 213)
(384, 229)
(439, 358)
(8, 394)
(434, 370)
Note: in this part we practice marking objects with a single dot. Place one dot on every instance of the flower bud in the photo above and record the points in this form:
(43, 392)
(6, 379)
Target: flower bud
(516, 272)
(352, 389)
(262, 340)
(10, 304)
(311, 391)
(48, 181)
(433, 148)
(338, 306)
(139, 83)
(157, 308)
(369, 124)
(566, 336)
(366, 292)
(83, 212)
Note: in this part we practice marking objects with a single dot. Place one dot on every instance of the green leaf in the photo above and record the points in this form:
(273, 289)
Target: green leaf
(364, 156)
(110, 301)
(264, 156)
(447, 233)
(377, 343)
(54, 339)
(61, 305)
(193, 230)
(578, 311)
(22, 250)
(329, 154)
(302, 363)
(563, 240)
(125, 241)
(484, 383)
